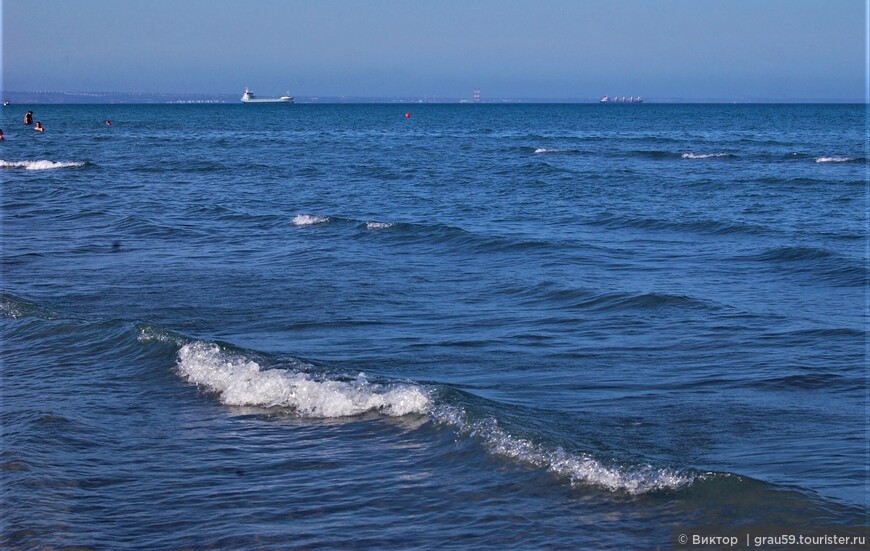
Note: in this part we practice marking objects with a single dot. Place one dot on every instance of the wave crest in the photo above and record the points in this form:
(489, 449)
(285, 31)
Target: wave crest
(40, 165)
(580, 469)
(308, 220)
(835, 159)
(239, 381)
(378, 225)
(691, 155)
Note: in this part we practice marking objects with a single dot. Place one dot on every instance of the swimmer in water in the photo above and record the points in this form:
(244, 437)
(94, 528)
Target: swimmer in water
(39, 127)
(28, 118)
(108, 122)
(1, 134)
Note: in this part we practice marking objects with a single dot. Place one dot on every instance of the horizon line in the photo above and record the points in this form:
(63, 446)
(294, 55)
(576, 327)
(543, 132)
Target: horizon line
(225, 98)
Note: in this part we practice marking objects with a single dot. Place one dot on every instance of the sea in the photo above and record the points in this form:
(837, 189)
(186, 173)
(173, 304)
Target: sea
(424, 326)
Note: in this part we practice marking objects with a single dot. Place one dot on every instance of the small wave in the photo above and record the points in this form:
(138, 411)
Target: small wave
(40, 165)
(654, 154)
(378, 225)
(814, 381)
(643, 301)
(240, 381)
(580, 469)
(548, 150)
(308, 220)
(794, 254)
(835, 159)
(713, 227)
(13, 307)
(690, 155)
(832, 267)
(801, 181)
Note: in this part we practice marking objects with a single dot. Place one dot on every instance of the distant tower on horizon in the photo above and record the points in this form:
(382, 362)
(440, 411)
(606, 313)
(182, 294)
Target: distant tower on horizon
(477, 95)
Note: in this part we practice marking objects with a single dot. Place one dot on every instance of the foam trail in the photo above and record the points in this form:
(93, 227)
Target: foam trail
(39, 165)
(239, 381)
(545, 150)
(308, 220)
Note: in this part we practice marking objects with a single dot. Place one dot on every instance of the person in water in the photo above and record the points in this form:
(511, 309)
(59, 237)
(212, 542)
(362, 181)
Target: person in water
(28, 118)
(108, 122)
(1, 134)
(38, 127)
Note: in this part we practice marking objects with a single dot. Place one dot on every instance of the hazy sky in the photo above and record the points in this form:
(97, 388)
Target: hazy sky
(692, 49)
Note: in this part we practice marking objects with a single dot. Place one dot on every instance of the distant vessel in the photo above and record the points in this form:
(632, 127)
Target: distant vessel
(623, 99)
(248, 97)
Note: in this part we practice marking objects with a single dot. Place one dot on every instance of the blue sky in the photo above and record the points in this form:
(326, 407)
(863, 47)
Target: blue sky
(690, 49)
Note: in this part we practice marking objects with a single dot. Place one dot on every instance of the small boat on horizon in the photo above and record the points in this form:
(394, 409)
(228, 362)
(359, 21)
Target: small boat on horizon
(248, 97)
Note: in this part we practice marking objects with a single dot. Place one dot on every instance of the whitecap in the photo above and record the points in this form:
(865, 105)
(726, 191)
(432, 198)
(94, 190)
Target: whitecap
(239, 381)
(378, 225)
(691, 155)
(308, 220)
(547, 150)
(39, 165)
(834, 159)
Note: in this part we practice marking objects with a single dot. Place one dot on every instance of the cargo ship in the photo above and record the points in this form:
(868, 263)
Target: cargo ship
(248, 97)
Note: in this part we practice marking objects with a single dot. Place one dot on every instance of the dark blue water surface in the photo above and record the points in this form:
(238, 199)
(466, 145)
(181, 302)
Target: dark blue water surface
(483, 326)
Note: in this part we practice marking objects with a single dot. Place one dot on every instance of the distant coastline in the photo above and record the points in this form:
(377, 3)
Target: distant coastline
(60, 97)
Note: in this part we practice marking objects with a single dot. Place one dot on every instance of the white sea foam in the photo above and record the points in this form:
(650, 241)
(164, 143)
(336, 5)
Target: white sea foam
(547, 150)
(834, 159)
(239, 381)
(308, 220)
(704, 155)
(38, 165)
(580, 469)
(378, 225)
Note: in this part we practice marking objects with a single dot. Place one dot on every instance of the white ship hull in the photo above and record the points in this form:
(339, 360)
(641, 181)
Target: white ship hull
(268, 100)
(248, 97)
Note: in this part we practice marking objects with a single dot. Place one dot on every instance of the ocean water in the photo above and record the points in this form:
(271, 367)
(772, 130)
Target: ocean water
(482, 326)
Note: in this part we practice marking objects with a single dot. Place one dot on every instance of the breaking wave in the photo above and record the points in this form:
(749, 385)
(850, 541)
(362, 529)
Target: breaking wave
(836, 159)
(40, 165)
(548, 150)
(690, 155)
(308, 220)
(238, 379)
(378, 225)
